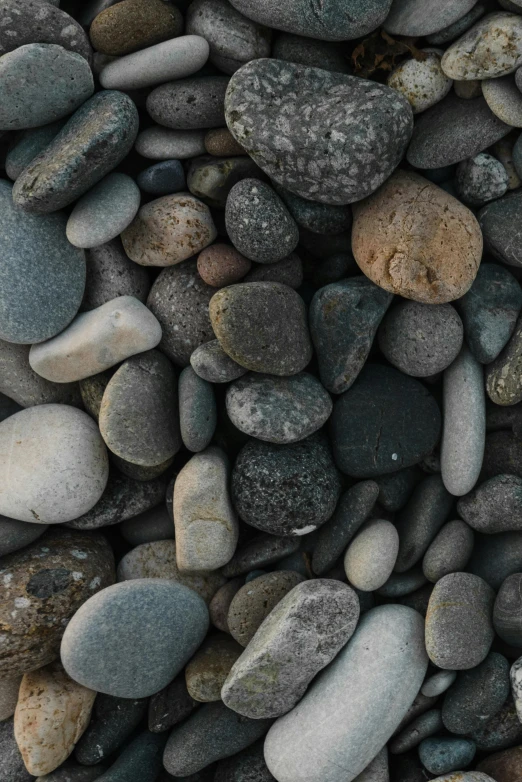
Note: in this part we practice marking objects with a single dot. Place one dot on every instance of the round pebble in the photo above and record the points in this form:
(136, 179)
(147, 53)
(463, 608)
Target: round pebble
(441, 755)
(220, 265)
(449, 552)
(163, 178)
(104, 212)
(481, 179)
(211, 363)
(221, 143)
(137, 24)
(422, 82)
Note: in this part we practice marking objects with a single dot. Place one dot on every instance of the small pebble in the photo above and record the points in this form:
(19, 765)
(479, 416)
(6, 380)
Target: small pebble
(197, 410)
(449, 551)
(441, 755)
(481, 179)
(221, 143)
(104, 212)
(422, 82)
(371, 556)
(220, 265)
(163, 178)
(158, 143)
(189, 104)
(438, 683)
(211, 363)
(135, 25)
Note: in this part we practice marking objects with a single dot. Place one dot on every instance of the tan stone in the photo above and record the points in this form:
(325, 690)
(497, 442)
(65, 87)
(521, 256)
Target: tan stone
(414, 239)
(207, 671)
(52, 713)
(221, 143)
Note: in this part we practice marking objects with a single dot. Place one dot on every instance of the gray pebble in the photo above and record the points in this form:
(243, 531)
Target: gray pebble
(438, 683)
(507, 612)
(371, 556)
(416, 731)
(189, 104)
(446, 753)
(104, 211)
(211, 363)
(113, 722)
(29, 144)
(16, 534)
(197, 410)
(288, 271)
(377, 770)
(151, 525)
(504, 99)
(408, 17)
(455, 29)
(158, 143)
(263, 550)
(162, 178)
(498, 221)
(39, 21)
(21, 383)
(110, 274)
(494, 506)
(481, 179)
(449, 551)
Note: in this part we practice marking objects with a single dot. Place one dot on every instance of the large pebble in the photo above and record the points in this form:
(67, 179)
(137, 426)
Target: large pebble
(371, 556)
(107, 640)
(104, 212)
(189, 104)
(39, 21)
(429, 253)
(211, 363)
(498, 221)
(197, 410)
(491, 48)
(159, 143)
(135, 25)
(408, 17)
(494, 505)
(208, 669)
(449, 551)
(278, 111)
(422, 81)
(507, 612)
(110, 274)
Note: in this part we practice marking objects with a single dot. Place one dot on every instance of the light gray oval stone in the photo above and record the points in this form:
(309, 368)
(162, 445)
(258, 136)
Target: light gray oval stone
(409, 17)
(504, 99)
(438, 683)
(491, 48)
(158, 143)
(480, 179)
(422, 82)
(371, 556)
(104, 212)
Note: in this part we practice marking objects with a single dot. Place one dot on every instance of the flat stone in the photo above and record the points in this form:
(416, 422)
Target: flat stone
(480, 179)
(221, 142)
(504, 99)
(507, 617)
(170, 706)
(31, 142)
(106, 641)
(197, 410)
(211, 363)
(39, 21)
(43, 585)
(133, 26)
(37, 300)
(417, 730)
(494, 506)
(189, 104)
(447, 753)
(491, 48)
(140, 761)
(158, 143)
(163, 178)
(288, 271)
(208, 669)
(344, 318)
(220, 265)
(151, 525)
(314, 215)
(422, 82)
(115, 719)
(212, 179)
(408, 17)
(371, 556)
(496, 221)
(110, 274)
(9, 696)
(15, 535)
(438, 683)
(246, 766)
(41, 83)
(266, 96)
(407, 250)
(449, 551)
(384, 663)
(104, 212)
(504, 765)
(95, 139)
(13, 768)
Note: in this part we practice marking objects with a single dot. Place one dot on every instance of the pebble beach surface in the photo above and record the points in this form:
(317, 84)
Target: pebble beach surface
(260, 391)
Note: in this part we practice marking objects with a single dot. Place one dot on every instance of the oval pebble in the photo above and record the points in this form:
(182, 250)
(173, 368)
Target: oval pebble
(104, 212)
(163, 178)
(489, 49)
(422, 82)
(197, 410)
(449, 551)
(211, 363)
(137, 24)
(416, 731)
(371, 556)
(220, 265)
(494, 505)
(189, 104)
(151, 525)
(440, 755)
(480, 179)
(30, 143)
(438, 683)
(158, 143)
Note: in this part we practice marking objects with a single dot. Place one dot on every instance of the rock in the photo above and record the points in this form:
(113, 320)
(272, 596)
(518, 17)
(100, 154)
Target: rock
(136, 25)
(507, 613)
(43, 585)
(266, 96)
(395, 489)
(179, 299)
(255, 600)
(278, 409)
(140, 761)
(494, 506)
(37, 299)
(31, 142)
(261, 551)
(220, 604)
(114, 721)
(344, 318)
(204, 518)
(408, 17)
(504, 765)
(417, 730)
(438, 683)
(41, 83)
(455, 29)
(106, 641)
(169, 230)
(197, 410)
(442, 754)
(211, 363)
(409, 254)
(289, 271)
(503, 383)
(489, 311)
(104, 212)
(262, 326)
(212, 179)
(496, 221)
(502, 731)
(212, 733)
(385, 661)
(481, 179)
(160, 143)
(495, 557)
(453, 130)
(163, 178)
(9, 696)
(208, 669)
(189, 104)
(110, 274)
(371, 556)
(459, 628)
(170, 706)
(422, 82)
(491, 48)
(421, 339)
(15, 535)
(373, 433)
(285, 489)
(310, 52)
(247, 765)
(221, 142)
(504, 99)
(52, 713)
(221, 265)
(38, 21)
(449, 551)
(299, 637)
(151, 525)
(13, 768)
(95, 139)
(315, 216)
(401, 584)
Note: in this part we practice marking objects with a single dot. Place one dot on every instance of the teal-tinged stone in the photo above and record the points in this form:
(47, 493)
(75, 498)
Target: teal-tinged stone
(29, 144)
(443, 754)
(140, 761)
(163, 178)
(315, 216)
(197, 410)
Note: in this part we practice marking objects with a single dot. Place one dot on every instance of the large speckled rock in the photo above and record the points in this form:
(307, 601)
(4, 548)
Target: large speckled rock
(414, 239)
(43, 586)
(503, 376)
(491, 48)
(208, 669)
(409, 17)
(38, 21)
(299, 637)
(19, 381)
(266, 108)
(135, 25)
(494, 505)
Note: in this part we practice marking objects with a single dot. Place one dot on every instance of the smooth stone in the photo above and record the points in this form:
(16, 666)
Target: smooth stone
(301, 635)
(255, 600)
(455, 29)
(278, 409)
(373, 433)
(494, 506)
(414, 239)
(38, 299)
(139, 473)
(136, 25)
(422, 82)
(104, 212)
(261, 551)
(371, 556)
(495, 557)
(211, 363)
(30, 142)
(421, 339)
(115, 719)
(211, 178)
(481, 179)
(170, 706)
(489, 49)
(443, 754)
(221, 264)
(221, 142)
(108, 638)
(464, 428)
(502, 731)
(206, 526)
(408, 17)
(395, 489)
(438, 683)
(39, 21)
(289, 271)
(197, 410)
(233, 38)
(151, 525)
(503, 454)
(449, 551)
(417, 730)
(265, 112)
(315, 216)
(12, 768)
(189, 104)
(110, 274)
(43, 586)
(285, 489)
(490, 310)
(179, 299)
(15, 535)
(496, 221)
(9, 696)
(402, 584)
(207, 671)
(503, 384)
(453, 130)
(344, 318)
(507, 612)
(41, 83)
(310, 52)
(158, 143)
(246, 766)
(140, 761)
(459, 627)
(220, 604)
(166, 61)
(163, 178)
(504, 765)
(212, 733)
(51, 714)
(384, 663)
(504, 99)
(96, 138)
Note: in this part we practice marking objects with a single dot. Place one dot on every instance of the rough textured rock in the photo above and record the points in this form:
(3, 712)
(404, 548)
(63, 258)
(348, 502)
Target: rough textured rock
(207, 671)
(491, 48)
(135, 25)
(494, 506)
(38, 21)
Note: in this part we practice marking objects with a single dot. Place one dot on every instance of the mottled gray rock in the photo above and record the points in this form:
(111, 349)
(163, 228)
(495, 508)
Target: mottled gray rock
(170, 706)
(371, 556)
(104, 211)
(21, 383)
(449, 551)
(489, 49)
(494, 506)
(111, 274)
(12, 767)
(197, 410)
(153, 524)
(263, 550)
(163, 178)
(158, 143)
(113, 721)
(408, 17)
(16, 534)
(446, 753)
(266, 106)
(497, 221)
(507, 612)
(503, 377)
(416, 731)
(189, 104)
(39, 21)
(480, 179)
(31, 142)
(211, 363)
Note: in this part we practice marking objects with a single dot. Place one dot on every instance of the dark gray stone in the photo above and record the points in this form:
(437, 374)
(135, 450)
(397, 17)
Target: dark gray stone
(189, 104)
(402, 584)
(278, 111)
(30, 143)
(261, 551)
(419, 599)
(501, 731)
(169, 706)
(502, 455)
(113, 722)
(111, 274)
(289, 271)
(211, 363)
(395, 489)
(21, 383)
(445, 753)
(315, 216)
(72, 772)
(140, 761)
(507, 612)
(163, 178)
(15, 534)
(38, 21)
(197, 410)
(449, 552)
(310, 52)
(212, 178)
(494, 506)
(12, 768)
(481, 179)
(416, 731)
(8, 406)
(247, 766)
(498, 222)
(495, 557)
(344, 318)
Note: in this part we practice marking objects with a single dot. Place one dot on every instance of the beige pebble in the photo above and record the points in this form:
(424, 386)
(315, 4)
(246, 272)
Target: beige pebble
(207, 671)
(491, 48)
(371, 556)
(422, 82)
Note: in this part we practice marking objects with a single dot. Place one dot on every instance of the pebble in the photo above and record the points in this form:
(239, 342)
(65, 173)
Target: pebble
(402, 584)
(221, 143)
(246, 766)
(205, 522)
(52, 713)
(207, 671)
(507, 614)
(300, 636)
(261, 551)
(278, 409)
(140, 761)
(383, 664)
(489, 49)
(170, 706)
(151, 525)
(137, 24)
(455, 29)
(159, 143)
(97, 340)
(30, 143)
(115, 719)
(39, 21)
(449, 551)
(9, 696)
(421, 339)
(494, 506)
(24, 387)
(443, 754)
(95, 139)
(496, 221)
(211, 178)
(459, 628)
(163, 178)
(220, 265)
(504, 765)
(504, 99)
(516, 685)
(107, 639)
(408, 17)
(370, 558)
(289, 271)
(220, 604)
(189, 104)
(197, 410)
(110, 274)
(416, 731)
(211, 363)
(103, 212)
(438, 683)
(264, 114)
(41, 83)
(408, 253)
(480, 179)
(262, 326)
(13, 768)
(422, 81)
(310, 52)
(344, 318)
(315, 216)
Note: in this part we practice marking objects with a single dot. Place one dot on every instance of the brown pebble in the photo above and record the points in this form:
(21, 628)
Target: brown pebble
(206, 672)
(503, 766)
(221, 143)
(135, 24)
(221, 265)
(220, 603)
